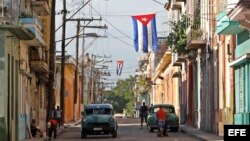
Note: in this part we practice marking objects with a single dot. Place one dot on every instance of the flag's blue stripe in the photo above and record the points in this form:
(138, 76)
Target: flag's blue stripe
(145, 38)
(154, 34)
(135, 34)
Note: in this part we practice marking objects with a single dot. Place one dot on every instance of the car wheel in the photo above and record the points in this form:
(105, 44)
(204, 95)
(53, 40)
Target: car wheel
(114, 134)
(175, 129)
(83, 134)
(151, 129)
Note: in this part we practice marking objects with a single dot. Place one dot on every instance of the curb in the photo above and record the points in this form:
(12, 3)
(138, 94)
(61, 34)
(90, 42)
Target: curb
(192, 135)
(201, 135)
(63, 129)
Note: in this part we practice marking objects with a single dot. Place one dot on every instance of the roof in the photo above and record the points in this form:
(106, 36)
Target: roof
(90, 106)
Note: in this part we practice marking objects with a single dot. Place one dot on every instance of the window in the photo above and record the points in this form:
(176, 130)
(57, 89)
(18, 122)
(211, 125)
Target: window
(104, 111)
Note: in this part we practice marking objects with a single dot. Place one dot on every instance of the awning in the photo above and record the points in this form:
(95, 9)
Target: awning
(241, 60)
(20, 32)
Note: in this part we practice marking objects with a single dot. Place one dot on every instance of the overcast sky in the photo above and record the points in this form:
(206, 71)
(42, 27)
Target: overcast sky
(116, 14)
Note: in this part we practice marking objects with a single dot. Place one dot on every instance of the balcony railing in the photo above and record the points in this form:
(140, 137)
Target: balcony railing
(35, 26)
(39, 65)
(41, 7)
(240, 12)
(196, 37)
(8, 12)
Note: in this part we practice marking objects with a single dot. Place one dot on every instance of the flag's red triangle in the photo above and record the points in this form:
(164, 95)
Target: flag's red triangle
(144, 19)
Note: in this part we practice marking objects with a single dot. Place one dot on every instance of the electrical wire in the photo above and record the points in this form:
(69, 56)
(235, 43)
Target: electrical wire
(158, 2)
(111, 24)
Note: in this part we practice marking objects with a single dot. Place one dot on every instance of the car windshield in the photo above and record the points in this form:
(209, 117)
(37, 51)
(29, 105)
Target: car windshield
(168, 109)
(103, 111)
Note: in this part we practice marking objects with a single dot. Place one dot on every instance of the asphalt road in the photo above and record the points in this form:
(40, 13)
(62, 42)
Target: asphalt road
(129, 130)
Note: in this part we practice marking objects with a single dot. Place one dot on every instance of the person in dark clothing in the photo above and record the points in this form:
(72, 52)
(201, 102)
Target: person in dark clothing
(52, 126)
(143, 113)
(58, 115)
(34, 129)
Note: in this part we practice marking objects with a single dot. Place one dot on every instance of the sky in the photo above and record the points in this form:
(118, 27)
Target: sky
(118, 40)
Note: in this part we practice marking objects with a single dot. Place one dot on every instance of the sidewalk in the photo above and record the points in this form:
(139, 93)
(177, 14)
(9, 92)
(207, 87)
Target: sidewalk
(60, 130)
(199, 134)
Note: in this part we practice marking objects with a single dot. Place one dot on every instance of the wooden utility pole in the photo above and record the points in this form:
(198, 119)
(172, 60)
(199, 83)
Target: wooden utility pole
(77, 51)
(76, 70)
(51, 61)
(64, 11)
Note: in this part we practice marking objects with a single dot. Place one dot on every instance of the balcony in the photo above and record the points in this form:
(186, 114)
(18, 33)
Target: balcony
(35, 26)
(168, 4)
(196, 37)
(163, 64)
(41, 7)
(177, 59)
(226, 26)
(241, 12)
(39, 65)
(177, 5)
(181, 58)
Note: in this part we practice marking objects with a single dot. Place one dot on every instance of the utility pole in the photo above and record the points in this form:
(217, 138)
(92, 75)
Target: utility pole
(102, 95)
(82, 86)
(101, 92)
(64, 11)
(92, 65)
(77, 51)
(76, 70)
(92, 78)
(51, 61)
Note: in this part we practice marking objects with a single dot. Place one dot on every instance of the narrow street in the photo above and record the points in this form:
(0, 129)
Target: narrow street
(129, 130)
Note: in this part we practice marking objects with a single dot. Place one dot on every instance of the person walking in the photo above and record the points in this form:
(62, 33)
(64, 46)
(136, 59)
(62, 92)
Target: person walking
(143, 113)
(58, 115)
(161, 115)
(52, 127)
(124, 114)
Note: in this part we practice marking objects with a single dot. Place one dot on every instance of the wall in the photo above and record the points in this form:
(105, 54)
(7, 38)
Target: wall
(9, 91)
(3, 87)
(69, 93)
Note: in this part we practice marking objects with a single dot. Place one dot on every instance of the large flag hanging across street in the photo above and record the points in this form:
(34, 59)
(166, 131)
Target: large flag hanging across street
(145, 35)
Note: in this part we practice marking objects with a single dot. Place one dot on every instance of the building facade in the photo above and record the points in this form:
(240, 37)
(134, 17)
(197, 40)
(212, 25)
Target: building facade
(25, 52)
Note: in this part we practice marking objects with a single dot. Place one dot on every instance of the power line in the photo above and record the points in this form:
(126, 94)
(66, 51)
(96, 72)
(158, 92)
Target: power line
(120, 40)
(73, 14)
(119, 15)
(110, 23)
(158, 2)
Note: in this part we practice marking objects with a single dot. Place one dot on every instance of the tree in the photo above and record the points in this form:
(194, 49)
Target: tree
(177, 39)
(122, 96)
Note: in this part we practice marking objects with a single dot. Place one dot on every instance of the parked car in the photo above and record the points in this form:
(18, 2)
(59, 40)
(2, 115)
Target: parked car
(98, 119)
(172, 118)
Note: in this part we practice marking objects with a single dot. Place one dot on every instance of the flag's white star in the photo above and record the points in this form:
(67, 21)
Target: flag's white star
(144, 19)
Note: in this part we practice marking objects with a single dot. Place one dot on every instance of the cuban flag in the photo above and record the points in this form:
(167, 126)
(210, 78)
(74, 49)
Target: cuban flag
(145, 35)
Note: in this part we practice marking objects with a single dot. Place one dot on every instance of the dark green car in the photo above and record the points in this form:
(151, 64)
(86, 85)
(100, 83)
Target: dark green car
(98, 119)
(172, 118)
